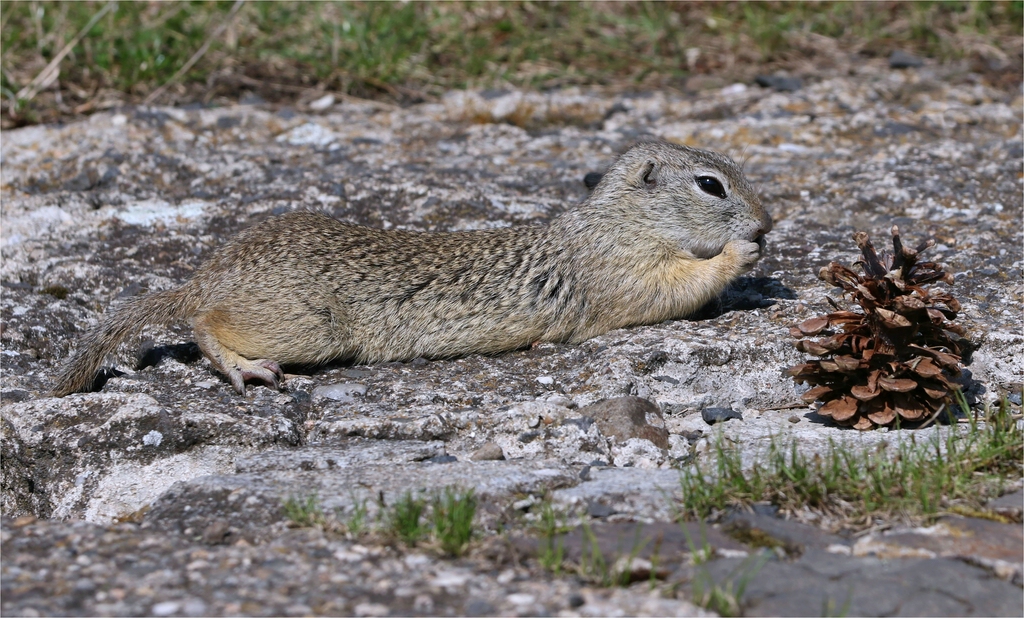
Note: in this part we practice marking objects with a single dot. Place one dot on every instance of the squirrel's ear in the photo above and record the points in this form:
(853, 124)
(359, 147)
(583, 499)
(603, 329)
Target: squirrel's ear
(647, 176)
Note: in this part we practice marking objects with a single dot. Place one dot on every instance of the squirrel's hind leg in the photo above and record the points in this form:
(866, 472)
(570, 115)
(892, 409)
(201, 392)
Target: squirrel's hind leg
(237, 368)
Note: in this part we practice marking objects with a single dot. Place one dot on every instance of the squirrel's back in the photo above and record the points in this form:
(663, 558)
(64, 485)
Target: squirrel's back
(387, 295)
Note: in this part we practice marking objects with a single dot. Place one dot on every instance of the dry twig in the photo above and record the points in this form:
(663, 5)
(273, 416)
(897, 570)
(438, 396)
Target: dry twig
(49, 74)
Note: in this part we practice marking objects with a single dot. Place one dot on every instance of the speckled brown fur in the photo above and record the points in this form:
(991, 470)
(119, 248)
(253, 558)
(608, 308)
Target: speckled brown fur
(649, 244)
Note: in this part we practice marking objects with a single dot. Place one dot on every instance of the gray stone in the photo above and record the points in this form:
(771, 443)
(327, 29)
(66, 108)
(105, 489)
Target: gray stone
(900, 59)
(107, 455)
(1010, 504)
(488, 452)
(623, 418)
(718, 415)
(781, 83)
(993, 545)
(866, 587)
(644, 494)
(763, 530)
(252, 502)
(667, 543)
(322, 103)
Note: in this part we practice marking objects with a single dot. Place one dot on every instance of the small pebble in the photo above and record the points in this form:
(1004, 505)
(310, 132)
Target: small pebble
(529, 436)
(24, 520)
(490, 451)
(165, 608)
(216, 533)
(900, 59)
(15, 395)
(598, 510)
(794, 419)
(520, 598)
(197, 607)
(623, 418)
(715, 415)
(524, 504)
(692, 436)
(322, 103)
(779, 83)
(450, 579)
(585, 473)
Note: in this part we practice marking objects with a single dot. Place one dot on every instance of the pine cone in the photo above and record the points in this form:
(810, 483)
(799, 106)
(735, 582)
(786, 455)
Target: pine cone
(897, 359)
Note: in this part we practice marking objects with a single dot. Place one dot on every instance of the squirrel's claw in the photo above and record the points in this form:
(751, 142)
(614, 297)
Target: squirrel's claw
(264, 370)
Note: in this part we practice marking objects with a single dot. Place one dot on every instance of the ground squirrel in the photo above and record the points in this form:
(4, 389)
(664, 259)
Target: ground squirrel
(665, 230)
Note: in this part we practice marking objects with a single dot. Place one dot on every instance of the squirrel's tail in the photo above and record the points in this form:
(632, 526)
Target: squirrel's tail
(126, 320)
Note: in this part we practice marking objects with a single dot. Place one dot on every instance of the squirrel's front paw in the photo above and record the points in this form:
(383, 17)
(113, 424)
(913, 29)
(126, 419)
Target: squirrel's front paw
(743, 254)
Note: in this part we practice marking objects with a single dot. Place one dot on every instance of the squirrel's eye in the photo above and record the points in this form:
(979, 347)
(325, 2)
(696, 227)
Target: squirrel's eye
(711, 186)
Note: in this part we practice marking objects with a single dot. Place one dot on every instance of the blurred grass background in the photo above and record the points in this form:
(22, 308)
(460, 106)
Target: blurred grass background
(284, 52)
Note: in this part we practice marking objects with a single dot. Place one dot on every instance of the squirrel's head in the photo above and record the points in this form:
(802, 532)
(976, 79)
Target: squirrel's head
(696, 199)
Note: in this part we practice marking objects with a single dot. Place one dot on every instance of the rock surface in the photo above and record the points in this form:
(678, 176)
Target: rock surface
(134, 200)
